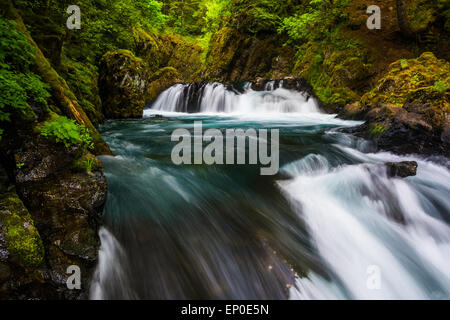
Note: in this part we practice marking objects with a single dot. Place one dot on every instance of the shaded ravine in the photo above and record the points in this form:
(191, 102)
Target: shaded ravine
(224, 232)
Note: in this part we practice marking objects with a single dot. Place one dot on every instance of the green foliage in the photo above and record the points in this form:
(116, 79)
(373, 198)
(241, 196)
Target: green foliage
(62, 129)
(315, 21)
(257, 16)
(86, 163)
(105, 25)
(108, 25)
(19, 86)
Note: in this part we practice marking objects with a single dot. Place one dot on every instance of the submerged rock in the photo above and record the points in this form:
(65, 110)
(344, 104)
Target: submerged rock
(402, 169)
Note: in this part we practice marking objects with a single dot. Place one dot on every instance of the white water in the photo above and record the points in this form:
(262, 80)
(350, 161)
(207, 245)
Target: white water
(357, 217)
(216, 98)
(110, 272)
(349, 213)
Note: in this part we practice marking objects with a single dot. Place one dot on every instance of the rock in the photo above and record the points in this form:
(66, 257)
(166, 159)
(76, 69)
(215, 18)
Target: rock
(290, 83)
(352, 111)
(122, 84)
(409, 108)
(159, 51)
(62, 193)
(4, 179)
(425, 80)
(40, 159)
(236, 56)
(160, 81)
(445, 136)
(69, 223)
(5, 272)
(401, 169)
(20, 237)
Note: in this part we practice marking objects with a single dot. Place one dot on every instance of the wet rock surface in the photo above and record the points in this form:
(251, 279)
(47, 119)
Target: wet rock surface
(402, 169)
(408, 110)
(61, 208)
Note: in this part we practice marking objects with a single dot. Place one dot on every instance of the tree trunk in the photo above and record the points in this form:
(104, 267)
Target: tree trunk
(61, 92)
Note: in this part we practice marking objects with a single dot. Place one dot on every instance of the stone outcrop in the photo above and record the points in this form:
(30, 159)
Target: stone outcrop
(408, 110)
(49, 220)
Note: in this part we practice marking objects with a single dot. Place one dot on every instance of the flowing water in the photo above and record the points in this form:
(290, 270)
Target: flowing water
(330, 225)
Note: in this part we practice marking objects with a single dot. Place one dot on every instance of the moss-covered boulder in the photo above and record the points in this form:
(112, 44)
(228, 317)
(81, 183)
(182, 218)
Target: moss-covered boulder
(122, 83)
(425, 79)
(408, 110)
(21, 243)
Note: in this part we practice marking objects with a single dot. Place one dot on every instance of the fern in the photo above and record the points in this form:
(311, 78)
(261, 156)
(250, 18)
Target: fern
(62, 129)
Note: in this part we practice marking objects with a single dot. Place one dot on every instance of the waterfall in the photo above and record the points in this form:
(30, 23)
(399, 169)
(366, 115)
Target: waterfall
(110, 270)
(321, 229)
(218, 98)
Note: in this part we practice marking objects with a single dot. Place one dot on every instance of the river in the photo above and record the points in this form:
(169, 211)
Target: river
(330, 225)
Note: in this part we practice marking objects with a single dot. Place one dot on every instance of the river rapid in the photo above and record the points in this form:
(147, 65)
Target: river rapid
(330, 225)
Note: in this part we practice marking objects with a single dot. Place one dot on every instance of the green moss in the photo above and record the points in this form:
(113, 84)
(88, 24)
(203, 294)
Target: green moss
(377, 129)
(421, 13)
(87, 163)
(23, 240)
(425, 80)
(441, 86)
(160, 81)
(224, 46)
(334, 67)
(403, 63)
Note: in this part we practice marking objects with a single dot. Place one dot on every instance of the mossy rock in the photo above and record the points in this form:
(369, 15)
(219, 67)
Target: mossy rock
(421, 14)
(159, 51)
(122, 83)
(335, 69)
(224, 45)
(160, 81)
(424, 80)
(23, 241)
(87, 163)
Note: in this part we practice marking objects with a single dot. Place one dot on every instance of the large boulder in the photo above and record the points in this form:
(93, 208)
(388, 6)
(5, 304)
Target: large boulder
(62, 192)
(122, 84)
